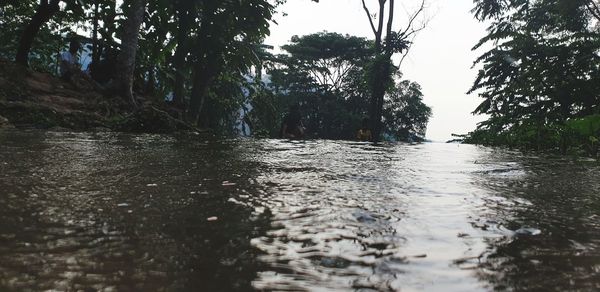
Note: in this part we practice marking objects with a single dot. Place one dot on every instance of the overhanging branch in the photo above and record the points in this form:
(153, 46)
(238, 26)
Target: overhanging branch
(369, 16)
(409, 27)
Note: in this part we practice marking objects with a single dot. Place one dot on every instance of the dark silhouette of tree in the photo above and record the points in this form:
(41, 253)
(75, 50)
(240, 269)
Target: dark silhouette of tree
(542, 72)
(218, 45)
(388, 42)
(45, 10)
(185, 20)
(325, 74)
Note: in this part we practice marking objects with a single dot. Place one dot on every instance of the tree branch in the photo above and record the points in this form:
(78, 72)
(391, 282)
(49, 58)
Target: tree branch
(369, 16)
(413, 18)
(390, 18)
(381, 12)
(593, 8)
(407, 51)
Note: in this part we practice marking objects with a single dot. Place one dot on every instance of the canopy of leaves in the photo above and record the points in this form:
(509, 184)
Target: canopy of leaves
(325, 73)
(15, 16)
(543, 67)
(206, 51)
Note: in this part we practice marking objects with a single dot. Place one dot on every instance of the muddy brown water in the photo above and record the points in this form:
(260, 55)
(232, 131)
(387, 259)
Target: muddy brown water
(119, 212)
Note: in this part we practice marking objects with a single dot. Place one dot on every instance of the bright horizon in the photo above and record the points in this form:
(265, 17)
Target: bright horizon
(439, 61)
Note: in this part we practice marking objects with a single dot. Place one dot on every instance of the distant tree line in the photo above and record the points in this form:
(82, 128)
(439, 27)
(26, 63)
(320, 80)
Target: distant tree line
(209, 56)
(327, 74)
(540, 77)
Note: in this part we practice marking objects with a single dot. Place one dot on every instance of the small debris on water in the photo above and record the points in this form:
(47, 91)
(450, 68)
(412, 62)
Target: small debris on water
(123, 205)
(363, 217)
(214, 218)
(528, 231)
(227, 184)
(129, 211)
(152, 185)
(192, 193)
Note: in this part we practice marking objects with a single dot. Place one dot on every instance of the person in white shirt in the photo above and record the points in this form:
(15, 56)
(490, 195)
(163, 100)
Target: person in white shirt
(69, 63)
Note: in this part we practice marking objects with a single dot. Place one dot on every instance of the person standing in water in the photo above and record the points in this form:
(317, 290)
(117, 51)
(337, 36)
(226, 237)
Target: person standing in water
(364, 133)
(292, 127)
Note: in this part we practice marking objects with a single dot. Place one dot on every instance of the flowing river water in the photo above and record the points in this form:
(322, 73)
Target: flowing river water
(119, 212)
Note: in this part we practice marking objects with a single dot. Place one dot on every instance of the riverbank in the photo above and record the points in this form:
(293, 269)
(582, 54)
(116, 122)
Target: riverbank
(575, 137)
(30, 99)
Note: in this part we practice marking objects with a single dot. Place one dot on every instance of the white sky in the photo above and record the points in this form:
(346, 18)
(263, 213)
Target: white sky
(440, 59)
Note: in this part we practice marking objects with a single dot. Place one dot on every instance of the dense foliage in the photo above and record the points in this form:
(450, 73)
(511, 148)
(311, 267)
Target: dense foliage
(208, 59)
(188, 48)
(49, 41)
(389, 40)
(327, 74)
(540, 81)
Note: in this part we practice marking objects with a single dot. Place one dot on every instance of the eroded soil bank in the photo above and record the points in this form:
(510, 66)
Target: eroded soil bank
(30, 99)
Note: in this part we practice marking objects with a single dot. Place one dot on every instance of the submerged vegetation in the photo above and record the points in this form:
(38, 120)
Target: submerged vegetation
(540, 79)
(204, 62)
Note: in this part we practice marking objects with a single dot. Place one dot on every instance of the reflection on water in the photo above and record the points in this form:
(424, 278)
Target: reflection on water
(115, 212)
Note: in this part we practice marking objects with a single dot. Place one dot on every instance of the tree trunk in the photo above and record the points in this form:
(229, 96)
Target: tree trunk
(129, 47)
(42, 15)
(379, 73)
(202, 79)
(185, 20)
(95, 49)
(381, 77)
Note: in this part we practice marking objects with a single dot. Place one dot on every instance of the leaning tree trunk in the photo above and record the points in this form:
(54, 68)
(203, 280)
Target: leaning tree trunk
(129, 47)
(42, 15)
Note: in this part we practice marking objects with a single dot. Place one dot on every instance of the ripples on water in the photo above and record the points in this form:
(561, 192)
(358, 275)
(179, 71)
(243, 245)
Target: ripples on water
(144, 212)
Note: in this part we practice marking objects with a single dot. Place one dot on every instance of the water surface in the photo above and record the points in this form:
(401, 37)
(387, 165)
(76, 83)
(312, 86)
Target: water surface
(118, 212)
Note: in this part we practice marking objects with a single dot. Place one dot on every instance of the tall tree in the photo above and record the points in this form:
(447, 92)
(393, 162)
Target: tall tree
(324, 74)
(225, 38)
(388, 41)
(543, 69)
(185, 22)
(405, 114)
(95, 25)
(129, 48)
(329, 59)
(45, 10)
